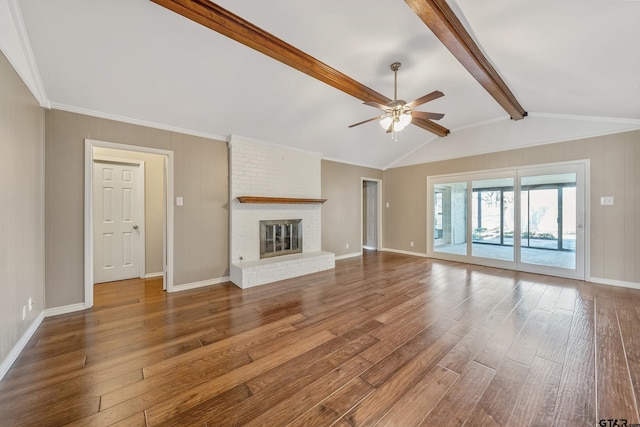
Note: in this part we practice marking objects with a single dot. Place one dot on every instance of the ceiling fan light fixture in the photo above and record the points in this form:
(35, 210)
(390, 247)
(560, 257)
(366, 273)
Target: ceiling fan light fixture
(398, 113)
(399, 119)
(385, 122)
(404, 120)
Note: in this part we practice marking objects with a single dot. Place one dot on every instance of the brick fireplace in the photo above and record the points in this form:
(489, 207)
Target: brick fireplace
(280, 175)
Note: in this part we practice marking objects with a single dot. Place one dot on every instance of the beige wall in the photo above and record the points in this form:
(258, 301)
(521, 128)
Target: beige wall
(341, 213)
(22, 211)
(615, 171)
(153, 203)
(200, 177)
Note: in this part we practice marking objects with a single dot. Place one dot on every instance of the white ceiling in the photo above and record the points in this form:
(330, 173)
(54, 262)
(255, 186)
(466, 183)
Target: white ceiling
(574, 65)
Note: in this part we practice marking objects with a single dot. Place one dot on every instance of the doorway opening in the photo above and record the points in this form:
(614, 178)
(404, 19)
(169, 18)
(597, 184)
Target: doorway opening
(371, 207)
(128, 224)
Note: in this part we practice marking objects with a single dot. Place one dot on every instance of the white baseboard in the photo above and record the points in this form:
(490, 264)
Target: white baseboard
(56, 311)
(612, 282)
(398, 251)
(152, 275)
(353, 255)
(202, 284)
(19, 346)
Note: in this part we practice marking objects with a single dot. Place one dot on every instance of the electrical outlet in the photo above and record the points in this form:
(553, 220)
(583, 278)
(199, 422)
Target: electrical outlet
(30, 304)
(347, 246)
(387, 204)
(24, 312)
(411, 244)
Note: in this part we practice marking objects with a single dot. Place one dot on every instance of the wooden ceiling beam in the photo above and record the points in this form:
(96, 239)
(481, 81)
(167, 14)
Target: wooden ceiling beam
(430, 126)
(226, 23)
(444, 23)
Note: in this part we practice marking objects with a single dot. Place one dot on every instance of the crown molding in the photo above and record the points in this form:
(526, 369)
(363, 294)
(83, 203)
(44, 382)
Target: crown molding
(133, 121)
(33, 79)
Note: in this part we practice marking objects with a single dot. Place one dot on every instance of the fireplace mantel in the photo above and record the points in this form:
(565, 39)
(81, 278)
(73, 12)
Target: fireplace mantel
(278, 200)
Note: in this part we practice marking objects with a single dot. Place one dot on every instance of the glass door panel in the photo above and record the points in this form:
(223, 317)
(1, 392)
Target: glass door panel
(544, 216)
(450, 218)
(492, 218)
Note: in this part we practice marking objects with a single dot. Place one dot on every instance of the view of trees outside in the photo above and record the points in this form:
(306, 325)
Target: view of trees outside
(486, 213)
(539, 217)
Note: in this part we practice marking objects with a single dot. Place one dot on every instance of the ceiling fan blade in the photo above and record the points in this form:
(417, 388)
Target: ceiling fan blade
(376, 105)
(365, 121)
(427, 116)
(426, 98)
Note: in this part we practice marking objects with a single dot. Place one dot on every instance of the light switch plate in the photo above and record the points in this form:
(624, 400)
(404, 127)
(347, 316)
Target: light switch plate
(179, 201)
(606, 200)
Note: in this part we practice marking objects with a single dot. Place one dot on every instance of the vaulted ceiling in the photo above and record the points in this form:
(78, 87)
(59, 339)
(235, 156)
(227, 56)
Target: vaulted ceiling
(573, 65)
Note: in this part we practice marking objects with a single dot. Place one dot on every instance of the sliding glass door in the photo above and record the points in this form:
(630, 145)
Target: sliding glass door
(529, 219)
(552, 221)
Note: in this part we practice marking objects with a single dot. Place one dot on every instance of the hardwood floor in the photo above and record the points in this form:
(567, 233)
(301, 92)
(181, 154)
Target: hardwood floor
(386, 339)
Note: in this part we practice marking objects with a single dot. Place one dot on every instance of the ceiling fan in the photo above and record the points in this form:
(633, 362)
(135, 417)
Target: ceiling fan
(398, 113)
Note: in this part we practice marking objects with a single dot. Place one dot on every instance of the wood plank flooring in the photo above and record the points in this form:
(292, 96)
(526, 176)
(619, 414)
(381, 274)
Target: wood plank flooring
(385, 339)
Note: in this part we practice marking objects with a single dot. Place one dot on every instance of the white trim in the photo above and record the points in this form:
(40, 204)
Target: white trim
(152, 275)
(124, 119)
(347, 162)
(587, 218)
(611, 282)
(409, 154)
(631, 128)
(345, 256)
(398, 251)
(421, 146)
(20, 345)
(88, 212)
(33, 81)
(201, 284)
(66, 309)
(635, 122)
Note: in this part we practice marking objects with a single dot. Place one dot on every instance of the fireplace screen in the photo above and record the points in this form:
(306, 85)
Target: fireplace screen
(280, 237)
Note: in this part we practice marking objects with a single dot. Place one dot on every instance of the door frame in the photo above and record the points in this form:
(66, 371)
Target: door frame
(90, 144)
(378, 213)
(141, 202)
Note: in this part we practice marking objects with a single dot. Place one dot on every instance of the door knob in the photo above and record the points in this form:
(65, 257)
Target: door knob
(135, 227)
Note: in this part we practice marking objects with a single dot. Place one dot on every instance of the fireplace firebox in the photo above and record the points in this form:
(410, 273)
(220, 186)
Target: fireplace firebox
(280, 237)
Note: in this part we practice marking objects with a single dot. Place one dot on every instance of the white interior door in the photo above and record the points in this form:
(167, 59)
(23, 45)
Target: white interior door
(117, 196)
